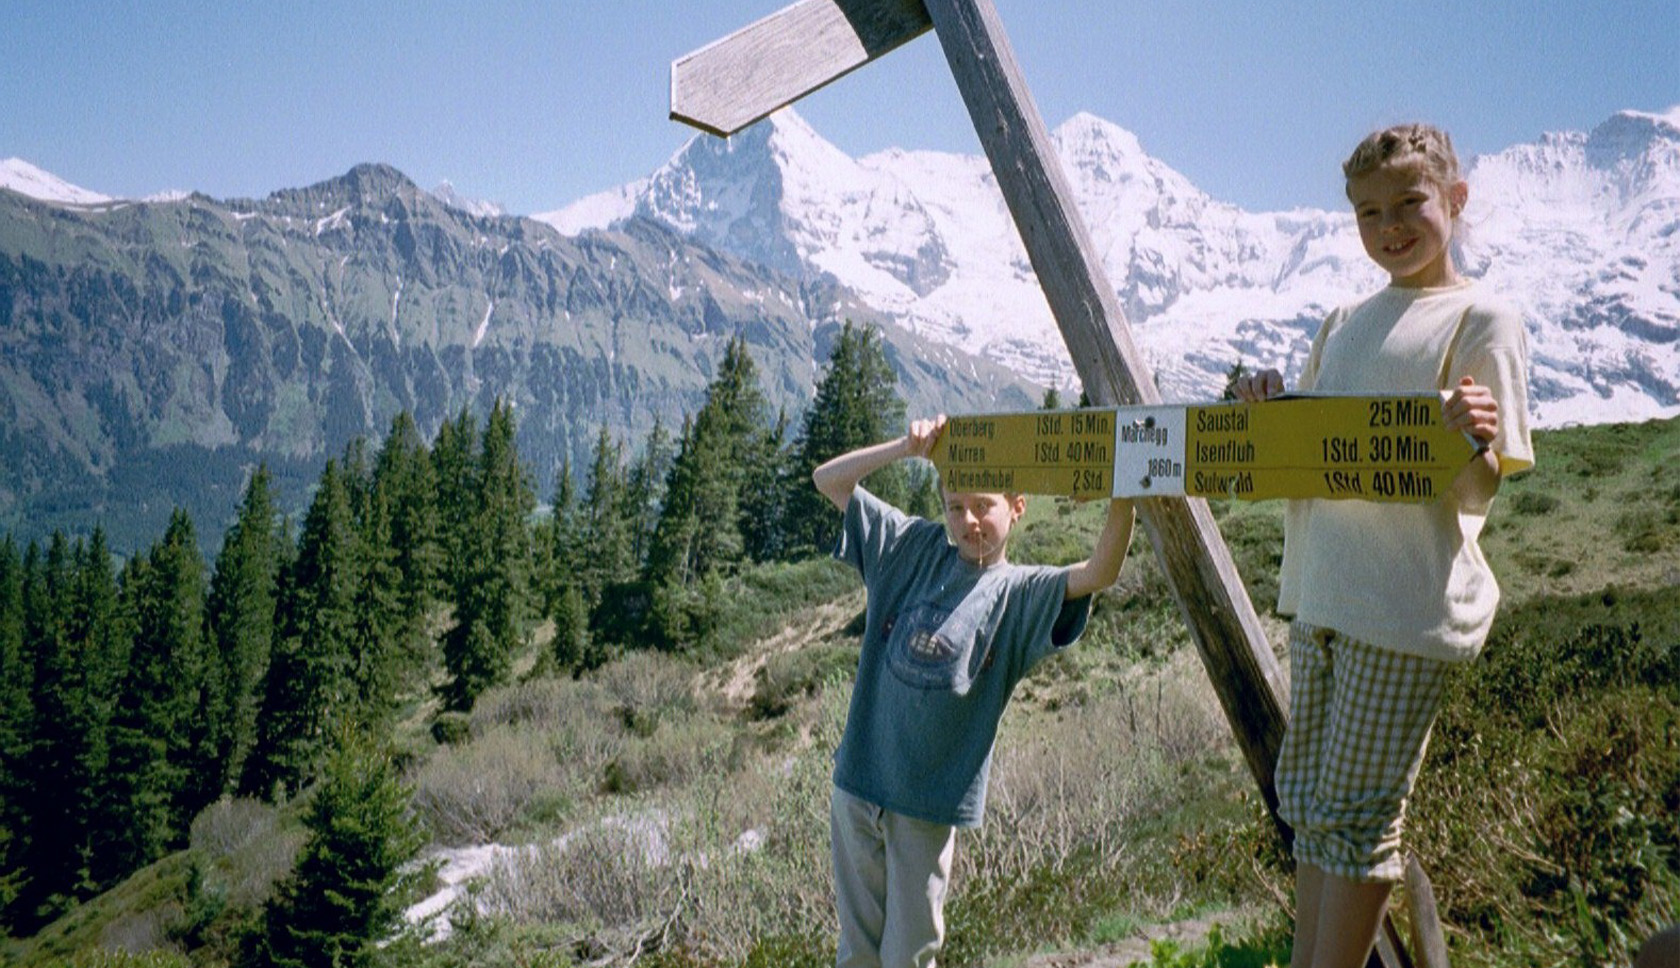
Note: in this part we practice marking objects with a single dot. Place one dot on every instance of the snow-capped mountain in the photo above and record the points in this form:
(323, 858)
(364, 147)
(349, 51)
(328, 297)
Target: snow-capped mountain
(25, 179)
(446, 193)
(1580, 230)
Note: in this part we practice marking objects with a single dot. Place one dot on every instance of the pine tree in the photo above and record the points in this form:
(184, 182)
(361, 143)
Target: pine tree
(669, 555)
(377, 668)
(454, 475)
(17, 713)
(645, 488)
(1235, 373)
(405, 488)
(154, 728)
(700, 527)
(493, 600)
(557, 544)
(606, 540)
(48, 826)
(241, 610)
(309, 687)
(856, 404)
(70, 654)
(766, 468)
(103, 642)
(924, 493)
(346, 894)
(572, 647)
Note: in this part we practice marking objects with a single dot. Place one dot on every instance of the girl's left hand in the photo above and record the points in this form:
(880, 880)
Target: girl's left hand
(1471, 408)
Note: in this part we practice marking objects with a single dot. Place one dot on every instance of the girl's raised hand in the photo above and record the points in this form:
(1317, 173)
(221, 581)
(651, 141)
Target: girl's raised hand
(1254, 387)
(1471, 408)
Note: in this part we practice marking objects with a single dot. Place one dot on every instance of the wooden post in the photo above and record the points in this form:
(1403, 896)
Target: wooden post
(1198, 565)
(729, 84)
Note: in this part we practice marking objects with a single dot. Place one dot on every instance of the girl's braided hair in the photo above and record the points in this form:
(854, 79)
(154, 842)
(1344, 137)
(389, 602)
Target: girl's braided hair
(1423, 146)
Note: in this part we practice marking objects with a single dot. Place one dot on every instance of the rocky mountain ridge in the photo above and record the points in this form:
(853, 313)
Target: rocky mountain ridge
(151, 352)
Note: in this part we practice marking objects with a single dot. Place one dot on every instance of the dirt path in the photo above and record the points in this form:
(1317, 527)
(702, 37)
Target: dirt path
(733, 684)
(1123, 954)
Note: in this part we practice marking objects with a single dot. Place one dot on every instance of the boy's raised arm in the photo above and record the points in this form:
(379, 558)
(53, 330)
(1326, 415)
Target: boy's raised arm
(838, 477)
(1101, 569)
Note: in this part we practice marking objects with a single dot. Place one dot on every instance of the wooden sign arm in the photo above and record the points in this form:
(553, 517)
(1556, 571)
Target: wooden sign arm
(729, 84)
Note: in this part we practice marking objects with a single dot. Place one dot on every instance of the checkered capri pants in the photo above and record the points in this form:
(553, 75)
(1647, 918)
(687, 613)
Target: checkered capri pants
(1359, 722)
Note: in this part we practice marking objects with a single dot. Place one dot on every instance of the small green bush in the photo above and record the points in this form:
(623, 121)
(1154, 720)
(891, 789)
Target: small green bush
(1646, 530)
(1533, 503)
(1267, 947)
(451, 728)
(790, 951)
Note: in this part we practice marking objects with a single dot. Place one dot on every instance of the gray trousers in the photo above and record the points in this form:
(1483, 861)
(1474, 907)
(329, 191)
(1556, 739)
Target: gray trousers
(890, 877)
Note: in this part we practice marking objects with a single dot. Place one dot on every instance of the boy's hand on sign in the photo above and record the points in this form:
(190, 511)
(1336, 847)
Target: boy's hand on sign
(923, 435)
(1470, 407)
(1255, 387)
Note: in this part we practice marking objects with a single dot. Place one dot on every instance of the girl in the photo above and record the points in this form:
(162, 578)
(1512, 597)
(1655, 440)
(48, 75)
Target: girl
(1385, 598)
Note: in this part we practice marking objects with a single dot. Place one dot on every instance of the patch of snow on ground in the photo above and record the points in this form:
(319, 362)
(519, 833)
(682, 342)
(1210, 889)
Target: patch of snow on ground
(459, 867)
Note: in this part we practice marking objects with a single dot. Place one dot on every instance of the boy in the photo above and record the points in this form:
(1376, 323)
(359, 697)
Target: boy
(951, 626)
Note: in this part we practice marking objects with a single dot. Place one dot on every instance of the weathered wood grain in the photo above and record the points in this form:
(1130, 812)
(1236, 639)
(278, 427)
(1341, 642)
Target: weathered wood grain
(729, 84)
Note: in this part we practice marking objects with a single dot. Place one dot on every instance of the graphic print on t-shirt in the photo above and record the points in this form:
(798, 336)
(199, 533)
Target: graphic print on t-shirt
(929, 648)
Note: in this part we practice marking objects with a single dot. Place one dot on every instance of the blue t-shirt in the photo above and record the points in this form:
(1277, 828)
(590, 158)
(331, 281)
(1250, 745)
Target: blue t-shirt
(944, 644)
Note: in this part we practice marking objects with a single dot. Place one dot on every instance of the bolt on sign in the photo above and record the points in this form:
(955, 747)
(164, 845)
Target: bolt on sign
(1372, 448)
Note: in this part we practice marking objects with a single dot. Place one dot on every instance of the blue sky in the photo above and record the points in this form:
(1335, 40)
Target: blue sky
(535, 103)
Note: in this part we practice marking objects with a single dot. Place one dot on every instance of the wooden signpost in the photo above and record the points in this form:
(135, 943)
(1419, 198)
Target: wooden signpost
(1387, 448)
(769, 64)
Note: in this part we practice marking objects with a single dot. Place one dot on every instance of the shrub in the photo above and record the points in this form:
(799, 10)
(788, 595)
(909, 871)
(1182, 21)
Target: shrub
(677, 753)
(1533, 503)
(790, 676)
(228, 825)
(1268, 946)
(1646, 530)
(1071, 827)
(648, 687)
(471, 794)
(1554, 778)
(540, 705)
(241, 849)
(451, 728)
(611, 874)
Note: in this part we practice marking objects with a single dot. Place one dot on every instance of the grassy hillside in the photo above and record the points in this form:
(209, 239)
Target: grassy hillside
(674, 809)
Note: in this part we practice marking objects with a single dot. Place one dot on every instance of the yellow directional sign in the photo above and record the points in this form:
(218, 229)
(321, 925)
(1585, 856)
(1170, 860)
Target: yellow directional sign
(1373, 448)
(1068, 452)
